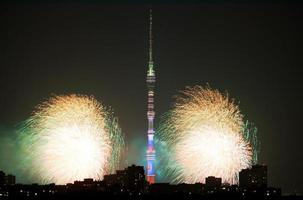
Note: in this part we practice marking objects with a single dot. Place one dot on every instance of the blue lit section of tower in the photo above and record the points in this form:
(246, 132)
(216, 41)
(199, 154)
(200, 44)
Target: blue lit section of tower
(150, 80)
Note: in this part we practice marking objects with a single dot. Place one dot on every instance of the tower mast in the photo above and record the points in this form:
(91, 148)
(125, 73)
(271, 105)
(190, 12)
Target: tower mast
(150, 80)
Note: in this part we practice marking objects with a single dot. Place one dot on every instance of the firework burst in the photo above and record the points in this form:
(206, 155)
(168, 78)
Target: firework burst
(70, 138)
(204, 135)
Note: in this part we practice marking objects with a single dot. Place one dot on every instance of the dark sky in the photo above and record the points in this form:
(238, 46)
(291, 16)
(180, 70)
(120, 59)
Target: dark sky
(251, 50)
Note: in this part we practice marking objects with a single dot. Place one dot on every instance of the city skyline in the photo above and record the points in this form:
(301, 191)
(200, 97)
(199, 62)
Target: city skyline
(49, 52)
(131, 182)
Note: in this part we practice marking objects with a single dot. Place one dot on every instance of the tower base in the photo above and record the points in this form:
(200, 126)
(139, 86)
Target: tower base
(150, 179)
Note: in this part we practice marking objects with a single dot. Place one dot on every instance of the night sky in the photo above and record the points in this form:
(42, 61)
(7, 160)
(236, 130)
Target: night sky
(251, 50)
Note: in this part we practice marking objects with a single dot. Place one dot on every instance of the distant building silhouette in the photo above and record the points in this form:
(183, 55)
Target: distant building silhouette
(161, 189)
(196, 188)
(135, 179)
(2, 178)
(10, 180)
(87, 182)
(255, 177)
(130, 183)
(182, 188)
(213, 182)
(7, 179)
(131, 179)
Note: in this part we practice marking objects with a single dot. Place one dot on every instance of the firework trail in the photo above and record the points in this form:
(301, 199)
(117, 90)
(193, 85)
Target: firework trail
(250, 135)
(70, 138)
(204, 135)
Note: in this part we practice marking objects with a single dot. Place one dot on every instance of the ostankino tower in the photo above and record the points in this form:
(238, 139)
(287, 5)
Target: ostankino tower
(150, 80)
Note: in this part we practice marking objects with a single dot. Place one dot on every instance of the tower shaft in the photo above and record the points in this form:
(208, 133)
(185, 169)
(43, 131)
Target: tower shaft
(150, 80)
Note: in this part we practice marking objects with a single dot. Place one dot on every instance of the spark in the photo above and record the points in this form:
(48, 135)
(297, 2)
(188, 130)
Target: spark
(70, 138)
(204, 135)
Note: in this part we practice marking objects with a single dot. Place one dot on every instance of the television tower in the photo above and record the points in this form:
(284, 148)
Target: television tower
(150, 80)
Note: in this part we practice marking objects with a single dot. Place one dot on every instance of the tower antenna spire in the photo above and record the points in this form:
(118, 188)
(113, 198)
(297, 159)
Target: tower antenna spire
(150, 35)
(150, 61)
